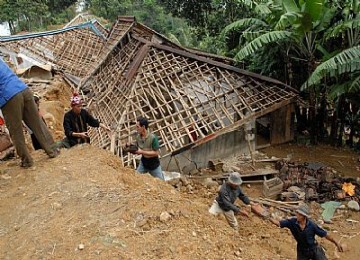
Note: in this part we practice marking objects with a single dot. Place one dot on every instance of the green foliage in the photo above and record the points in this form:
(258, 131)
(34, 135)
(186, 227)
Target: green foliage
(58, 6)
(23, 14)
(33, 15)
(355, 85)
(244, 24)
(261, 41)
(346, 62)
(196, 12)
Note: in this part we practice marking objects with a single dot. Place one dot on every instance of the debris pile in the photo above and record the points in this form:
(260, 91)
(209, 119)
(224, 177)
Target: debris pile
(315, 182)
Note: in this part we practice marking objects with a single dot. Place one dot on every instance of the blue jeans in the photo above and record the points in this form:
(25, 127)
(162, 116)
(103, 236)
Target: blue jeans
(157, 172)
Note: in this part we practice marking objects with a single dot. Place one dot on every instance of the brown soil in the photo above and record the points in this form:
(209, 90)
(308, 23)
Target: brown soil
(344, 161)
(85, 196)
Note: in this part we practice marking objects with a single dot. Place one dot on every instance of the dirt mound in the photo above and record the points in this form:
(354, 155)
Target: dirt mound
(55, 99)
(84, 205)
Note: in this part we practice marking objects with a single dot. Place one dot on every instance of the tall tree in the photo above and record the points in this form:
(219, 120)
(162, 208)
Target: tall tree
(297, 29)
(23, 14)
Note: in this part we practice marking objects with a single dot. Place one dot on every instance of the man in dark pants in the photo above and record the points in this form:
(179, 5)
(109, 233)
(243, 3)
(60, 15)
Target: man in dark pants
(17, 104)
(35, 142)
(304, 231)
(76, 123)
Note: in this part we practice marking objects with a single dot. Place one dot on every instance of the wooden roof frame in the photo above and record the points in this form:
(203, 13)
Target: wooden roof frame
(121, 88)
(190, 97)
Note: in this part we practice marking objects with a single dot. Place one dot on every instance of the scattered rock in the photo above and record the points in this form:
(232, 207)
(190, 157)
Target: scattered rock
(57, 205)
(208, 182)
(352, 204)
(164, 216)
(184, 180)
(81, 246)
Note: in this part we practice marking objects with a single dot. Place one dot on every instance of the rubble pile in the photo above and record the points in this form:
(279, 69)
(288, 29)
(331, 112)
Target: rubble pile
(315, 182)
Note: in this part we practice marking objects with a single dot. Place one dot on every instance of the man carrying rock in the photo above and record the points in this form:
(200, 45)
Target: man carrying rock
(304, 231)
(224, 202)
(148, 147)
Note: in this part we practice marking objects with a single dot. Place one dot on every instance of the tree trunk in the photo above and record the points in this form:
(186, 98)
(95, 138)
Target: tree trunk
(342, 120)
(12, 27)
(321, 116)
(312, 117)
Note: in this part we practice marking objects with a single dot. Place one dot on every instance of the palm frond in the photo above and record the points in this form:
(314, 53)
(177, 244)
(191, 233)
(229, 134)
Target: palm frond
(344, 62)
(262, 9)
(173, 38)
(243, 23)
(261, 41)
(250, 36)
(338, 90)
(355, 85)
(287, 19)
(341, 28)
(290, 6)
(315, 9)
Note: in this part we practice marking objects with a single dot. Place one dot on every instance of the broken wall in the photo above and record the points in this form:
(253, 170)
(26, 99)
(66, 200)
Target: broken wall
(219, 148)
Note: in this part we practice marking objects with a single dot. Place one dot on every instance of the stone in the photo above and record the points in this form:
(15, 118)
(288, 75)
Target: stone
(164, 216)
(81, 246)
(352, 204)
(208, 182)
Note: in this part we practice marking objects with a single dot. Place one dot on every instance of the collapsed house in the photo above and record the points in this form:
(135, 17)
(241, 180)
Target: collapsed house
(198, 104)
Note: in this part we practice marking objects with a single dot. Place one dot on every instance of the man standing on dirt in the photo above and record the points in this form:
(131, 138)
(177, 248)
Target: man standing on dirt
(224, 202)
(148, 147)
(76, 123)
(17, 104)
(304, 231)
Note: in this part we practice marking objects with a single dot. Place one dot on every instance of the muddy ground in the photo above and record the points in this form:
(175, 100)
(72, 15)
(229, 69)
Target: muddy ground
(85, 205)
(85, 198)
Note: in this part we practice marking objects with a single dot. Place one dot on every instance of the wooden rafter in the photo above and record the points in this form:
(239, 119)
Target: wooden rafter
(190, 97)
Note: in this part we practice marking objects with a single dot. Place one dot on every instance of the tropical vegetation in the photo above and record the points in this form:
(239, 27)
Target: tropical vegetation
(311, 45)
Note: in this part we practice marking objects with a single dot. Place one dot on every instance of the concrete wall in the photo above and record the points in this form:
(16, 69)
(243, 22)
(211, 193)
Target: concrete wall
(198, 157)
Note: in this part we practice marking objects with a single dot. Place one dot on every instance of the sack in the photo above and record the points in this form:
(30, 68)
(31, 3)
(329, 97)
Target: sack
(5, 141)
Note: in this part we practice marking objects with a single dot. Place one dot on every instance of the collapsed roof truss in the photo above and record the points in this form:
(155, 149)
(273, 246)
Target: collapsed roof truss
(75, 50)
(190, 97)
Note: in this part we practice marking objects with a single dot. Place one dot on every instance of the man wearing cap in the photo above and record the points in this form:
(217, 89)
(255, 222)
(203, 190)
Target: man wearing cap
(17, 104)
(224, 202)
(304, 231)
(76, 123)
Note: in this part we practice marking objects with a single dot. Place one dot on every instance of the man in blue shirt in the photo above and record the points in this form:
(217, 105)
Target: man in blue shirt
(304, 231)
(17, 104)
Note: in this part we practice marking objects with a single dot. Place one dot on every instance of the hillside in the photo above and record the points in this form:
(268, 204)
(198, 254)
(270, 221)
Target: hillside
(85, 205)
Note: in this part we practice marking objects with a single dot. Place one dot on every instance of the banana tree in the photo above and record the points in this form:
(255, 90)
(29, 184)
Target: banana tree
(341, 71)
(296, 28)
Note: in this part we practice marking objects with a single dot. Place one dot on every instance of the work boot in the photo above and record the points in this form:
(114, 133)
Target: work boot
(54, 153)
(26, 164)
